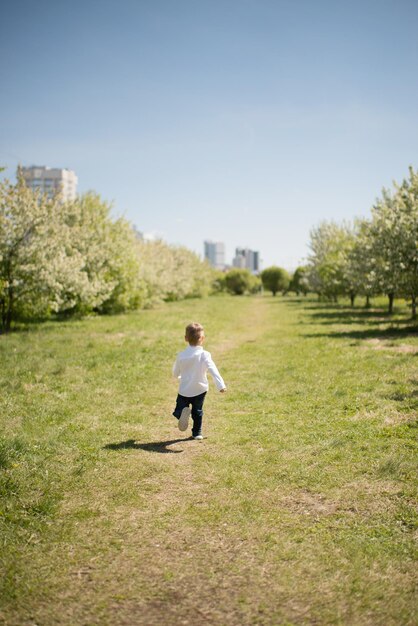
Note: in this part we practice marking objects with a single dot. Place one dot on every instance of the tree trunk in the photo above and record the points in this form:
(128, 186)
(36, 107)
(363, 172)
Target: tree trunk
(8, 313)
(352, 298)
(3, 315)
(367, 302)
(8, 321)
(391, 297)
(414, 307)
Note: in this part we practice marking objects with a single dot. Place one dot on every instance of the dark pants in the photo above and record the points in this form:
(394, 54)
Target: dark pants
(197, 410)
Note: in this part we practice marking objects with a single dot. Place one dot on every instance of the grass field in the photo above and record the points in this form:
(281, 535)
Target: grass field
(299, 507)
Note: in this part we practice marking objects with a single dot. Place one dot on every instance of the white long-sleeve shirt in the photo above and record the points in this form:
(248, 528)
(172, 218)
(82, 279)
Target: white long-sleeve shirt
(191, 367)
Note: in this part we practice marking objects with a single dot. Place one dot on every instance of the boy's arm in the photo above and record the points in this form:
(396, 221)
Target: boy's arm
(214, 372)
(176, 369)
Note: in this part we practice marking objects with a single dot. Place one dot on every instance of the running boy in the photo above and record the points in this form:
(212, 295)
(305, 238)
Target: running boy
(191, 367)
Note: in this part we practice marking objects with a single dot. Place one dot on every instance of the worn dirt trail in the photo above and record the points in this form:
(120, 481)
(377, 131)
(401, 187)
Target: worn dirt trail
(145, 556)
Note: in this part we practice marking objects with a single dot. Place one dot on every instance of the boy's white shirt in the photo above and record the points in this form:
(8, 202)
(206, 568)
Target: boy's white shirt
(191, 367)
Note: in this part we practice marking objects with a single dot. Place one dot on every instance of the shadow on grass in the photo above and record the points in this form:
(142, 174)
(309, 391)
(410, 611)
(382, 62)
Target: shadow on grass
(350, 316)
(402, 397)
(360, 314)
(370, 333)
(370, 319)
(335, 310)
(410, 396)
(155, 446)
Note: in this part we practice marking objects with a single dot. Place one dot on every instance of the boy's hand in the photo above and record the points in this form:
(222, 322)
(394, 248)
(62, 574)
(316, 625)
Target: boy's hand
(223, 390)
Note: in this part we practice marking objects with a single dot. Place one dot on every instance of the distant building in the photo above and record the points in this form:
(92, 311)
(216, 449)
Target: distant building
(215, 254)
(239, 261)
(51, 181)
(247, 259)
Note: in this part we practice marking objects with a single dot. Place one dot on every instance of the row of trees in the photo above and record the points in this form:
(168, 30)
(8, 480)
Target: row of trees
(372, 256)
(72, 257)
(367, 258)
(274, 279)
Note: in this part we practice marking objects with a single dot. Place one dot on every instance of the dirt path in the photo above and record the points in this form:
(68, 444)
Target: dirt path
(141, 558)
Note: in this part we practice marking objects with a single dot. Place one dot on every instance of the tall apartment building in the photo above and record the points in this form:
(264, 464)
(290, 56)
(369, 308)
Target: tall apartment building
(51, 180)
(214, 252)
(247, 259)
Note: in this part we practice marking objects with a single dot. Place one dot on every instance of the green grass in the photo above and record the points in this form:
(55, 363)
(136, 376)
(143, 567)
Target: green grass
(299, 507)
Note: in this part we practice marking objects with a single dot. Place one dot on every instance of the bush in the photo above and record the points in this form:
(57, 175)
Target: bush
(238, 281)
(299, 281)
(218, 282)
(275, 279)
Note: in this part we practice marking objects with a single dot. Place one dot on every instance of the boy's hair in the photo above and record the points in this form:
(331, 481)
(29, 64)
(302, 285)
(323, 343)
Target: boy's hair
(194, 331)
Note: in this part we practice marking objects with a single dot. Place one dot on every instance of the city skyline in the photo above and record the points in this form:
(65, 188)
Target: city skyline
(245, 258)
(247, 122)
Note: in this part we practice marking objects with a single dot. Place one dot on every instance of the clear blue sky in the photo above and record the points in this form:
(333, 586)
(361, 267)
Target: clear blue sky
(244, 121)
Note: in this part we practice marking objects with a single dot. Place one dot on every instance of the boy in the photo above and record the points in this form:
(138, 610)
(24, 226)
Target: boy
(191, 367)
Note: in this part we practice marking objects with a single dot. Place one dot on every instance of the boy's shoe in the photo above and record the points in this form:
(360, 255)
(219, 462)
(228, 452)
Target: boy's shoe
(184, 418)
(197, 436)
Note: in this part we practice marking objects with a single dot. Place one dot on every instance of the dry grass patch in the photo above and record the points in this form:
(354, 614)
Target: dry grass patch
(385, 344)
(395, 418)
(304, 502)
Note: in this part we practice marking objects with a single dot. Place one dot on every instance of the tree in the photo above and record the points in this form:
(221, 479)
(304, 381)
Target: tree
(299, 281)
(238, 281)
(30, 246)
(330, 245)
(406, 208)
(123, 270)
(98, 268)
(275, 279)
(172, 273)
(385, 242)
(360, 268)
(57, 257)
(394, 233)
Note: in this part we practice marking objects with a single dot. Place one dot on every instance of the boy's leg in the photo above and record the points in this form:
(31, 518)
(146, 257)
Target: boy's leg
(197, 413)
(182, 411)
